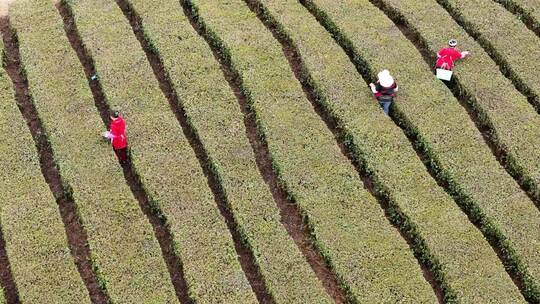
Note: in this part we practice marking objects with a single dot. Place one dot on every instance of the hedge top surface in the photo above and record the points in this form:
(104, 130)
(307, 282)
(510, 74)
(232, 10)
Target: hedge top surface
(329, 190)
(511, 115)
(121, 240)
(167, 164)
(516, 213)
(36, 243)
(510, 37)
(530, 6)
(504, 106)
(428, 106)
(214, 112)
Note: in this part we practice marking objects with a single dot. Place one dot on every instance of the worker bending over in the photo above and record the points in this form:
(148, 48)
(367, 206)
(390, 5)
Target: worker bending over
(446, 56)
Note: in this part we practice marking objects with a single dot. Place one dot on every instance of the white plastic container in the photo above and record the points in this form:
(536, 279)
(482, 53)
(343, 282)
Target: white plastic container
(444, 74)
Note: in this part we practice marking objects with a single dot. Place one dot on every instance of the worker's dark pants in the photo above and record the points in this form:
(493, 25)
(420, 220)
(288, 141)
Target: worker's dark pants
(385, 105)
(121, 154)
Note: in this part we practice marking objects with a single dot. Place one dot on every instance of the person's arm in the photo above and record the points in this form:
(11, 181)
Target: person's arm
(108, 135)
(460, 55)
(373, 88)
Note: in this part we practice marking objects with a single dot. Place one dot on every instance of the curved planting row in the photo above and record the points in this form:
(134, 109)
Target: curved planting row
(212, 109)
(384, 149)
(166, 162)
(496, 102)
(503, 111)
(454, 147)
(492, 26)
(526, 10)
(123, 246)
(35, 239)
(348, 225)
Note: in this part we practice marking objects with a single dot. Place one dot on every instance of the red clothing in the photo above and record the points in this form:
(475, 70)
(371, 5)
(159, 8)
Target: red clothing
(391, 91)
(118, 132)
(447, 56)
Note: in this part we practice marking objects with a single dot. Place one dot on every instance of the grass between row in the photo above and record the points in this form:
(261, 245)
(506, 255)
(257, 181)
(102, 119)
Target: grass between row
(348, 224)
(505, 114)
(527, 11)
(492, 26)
(500, 107)
(213, 111)
(454, 148)
(166, 162)
(383, 148)
(124, 249)
(36, 243)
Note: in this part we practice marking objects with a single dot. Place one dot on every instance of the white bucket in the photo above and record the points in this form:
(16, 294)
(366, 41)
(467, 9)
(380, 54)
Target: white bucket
(444, 74)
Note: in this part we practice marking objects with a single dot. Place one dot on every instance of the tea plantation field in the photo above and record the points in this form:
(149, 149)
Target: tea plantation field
(261, 169)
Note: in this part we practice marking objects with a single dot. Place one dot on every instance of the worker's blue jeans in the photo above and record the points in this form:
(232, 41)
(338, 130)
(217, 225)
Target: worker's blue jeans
(385, 105)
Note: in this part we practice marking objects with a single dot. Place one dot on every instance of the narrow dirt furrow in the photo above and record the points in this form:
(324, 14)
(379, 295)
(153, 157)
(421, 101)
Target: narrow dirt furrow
(154, 215)
(291, 217)
(297, 65)
(245, 254)
(503, 64)
(6, 276)
(496, 239)
(76, 234)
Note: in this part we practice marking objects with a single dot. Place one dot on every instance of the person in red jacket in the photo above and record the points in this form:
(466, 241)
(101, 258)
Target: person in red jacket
(117, 136)
(384, 90)
(447, 56)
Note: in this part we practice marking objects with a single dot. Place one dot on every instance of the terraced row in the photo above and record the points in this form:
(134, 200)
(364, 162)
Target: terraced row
(341, 100)
(499, 109)
(348, 225)
(504, 112)
(165, 160)
(213, 111)
(124, 249)
(225, 30)
(473, 175)
(492, 25)
(526, 10)
(35, 239)
(523, 153)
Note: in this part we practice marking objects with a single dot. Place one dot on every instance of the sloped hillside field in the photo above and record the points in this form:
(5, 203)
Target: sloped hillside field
(261, 169)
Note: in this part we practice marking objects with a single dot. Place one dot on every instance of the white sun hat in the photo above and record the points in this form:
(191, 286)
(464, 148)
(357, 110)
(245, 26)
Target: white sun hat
(452, 42)
(385, 79)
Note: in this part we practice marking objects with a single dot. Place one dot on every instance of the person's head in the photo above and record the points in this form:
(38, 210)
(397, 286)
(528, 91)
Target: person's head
(452, 42)
(385, 79)
(114, 114)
